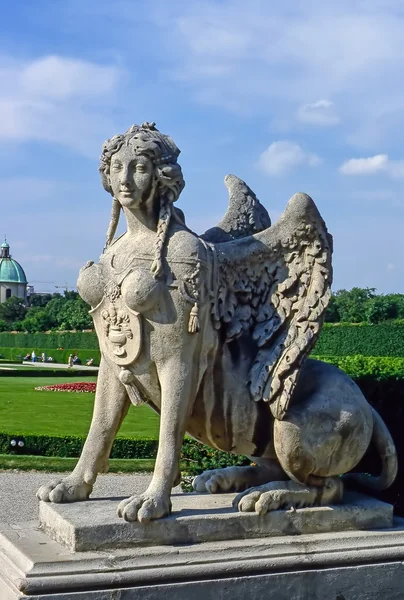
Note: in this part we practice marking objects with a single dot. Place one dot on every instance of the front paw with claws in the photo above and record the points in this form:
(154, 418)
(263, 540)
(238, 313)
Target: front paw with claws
(144, 508)
(65, 490)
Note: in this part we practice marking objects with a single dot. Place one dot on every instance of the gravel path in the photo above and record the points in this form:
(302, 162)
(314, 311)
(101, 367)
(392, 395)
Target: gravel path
(17, 491)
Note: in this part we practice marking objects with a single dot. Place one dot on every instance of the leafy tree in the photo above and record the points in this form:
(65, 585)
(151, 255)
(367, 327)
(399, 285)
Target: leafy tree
(12, 309)
(54, 310)
(364, 305)
(40, 299)
(71, 295)
(4, 326)
(351, 305)
(74, 315)
(332, 314)
(37, 319)
(382, 308)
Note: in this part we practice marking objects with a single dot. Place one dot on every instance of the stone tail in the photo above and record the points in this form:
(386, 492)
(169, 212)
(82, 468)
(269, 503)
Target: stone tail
(383, 441)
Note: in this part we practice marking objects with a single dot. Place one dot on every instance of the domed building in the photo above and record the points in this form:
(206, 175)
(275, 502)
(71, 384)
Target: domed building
(13, 281)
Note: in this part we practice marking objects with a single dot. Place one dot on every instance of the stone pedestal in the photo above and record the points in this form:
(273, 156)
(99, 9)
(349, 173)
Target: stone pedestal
(209, 564)
(197, 518)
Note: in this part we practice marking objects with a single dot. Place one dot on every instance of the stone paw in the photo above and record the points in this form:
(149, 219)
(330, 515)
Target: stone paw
(144, 508)
(219, 481)
(65, 490)
(262, 500)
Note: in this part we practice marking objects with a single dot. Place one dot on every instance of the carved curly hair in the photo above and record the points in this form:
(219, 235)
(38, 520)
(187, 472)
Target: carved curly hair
(169, 182)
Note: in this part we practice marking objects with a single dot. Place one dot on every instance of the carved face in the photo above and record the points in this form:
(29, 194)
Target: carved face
(131, 177)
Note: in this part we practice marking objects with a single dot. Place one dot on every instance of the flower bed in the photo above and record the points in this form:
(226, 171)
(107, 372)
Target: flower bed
(79, 386)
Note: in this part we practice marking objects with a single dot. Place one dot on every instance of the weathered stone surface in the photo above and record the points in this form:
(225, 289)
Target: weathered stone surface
(213, 332)
(200, 518)
(350, 565)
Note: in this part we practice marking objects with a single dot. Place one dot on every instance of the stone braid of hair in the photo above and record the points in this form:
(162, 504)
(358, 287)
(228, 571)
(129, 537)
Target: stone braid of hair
(162, 230)
(113, 224)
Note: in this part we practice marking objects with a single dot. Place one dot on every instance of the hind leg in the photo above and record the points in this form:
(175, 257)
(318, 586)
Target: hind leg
(237, 479)
(289, 494)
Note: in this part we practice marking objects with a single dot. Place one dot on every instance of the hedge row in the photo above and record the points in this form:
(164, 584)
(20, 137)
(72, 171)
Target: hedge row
(60, 356)
(196, 456)
(376, 368)
(384, 339)
(50, 340)
(71, 446)
(40, 372)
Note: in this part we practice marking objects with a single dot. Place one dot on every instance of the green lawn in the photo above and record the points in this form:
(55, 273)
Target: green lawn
(55, 463)
(24, 410)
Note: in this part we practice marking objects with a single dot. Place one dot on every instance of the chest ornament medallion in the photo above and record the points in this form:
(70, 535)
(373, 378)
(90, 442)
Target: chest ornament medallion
(118, 327)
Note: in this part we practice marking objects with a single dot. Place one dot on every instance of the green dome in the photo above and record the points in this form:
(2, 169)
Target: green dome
(11, 270)
(5, 244)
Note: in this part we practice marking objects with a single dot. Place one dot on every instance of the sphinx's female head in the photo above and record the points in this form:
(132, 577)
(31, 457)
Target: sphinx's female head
(139, 164)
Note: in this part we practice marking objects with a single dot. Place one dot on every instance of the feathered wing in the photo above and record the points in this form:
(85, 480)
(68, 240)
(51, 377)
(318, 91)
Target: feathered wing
(275, 286)
(244, 216)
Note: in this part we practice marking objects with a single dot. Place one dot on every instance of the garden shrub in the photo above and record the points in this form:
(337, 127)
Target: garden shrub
(195, 455)
(70, 446)
(48, 372)
(53, 340)
(345, 339)
(336, 339)
(60, 356)
(373, 367)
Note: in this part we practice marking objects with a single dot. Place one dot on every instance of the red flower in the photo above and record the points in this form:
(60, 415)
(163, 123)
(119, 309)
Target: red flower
(79, 386)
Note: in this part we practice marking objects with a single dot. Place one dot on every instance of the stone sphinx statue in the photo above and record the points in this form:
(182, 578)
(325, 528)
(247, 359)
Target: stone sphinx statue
(214, 333)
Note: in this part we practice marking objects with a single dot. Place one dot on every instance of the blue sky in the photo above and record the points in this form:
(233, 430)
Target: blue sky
(288, 96)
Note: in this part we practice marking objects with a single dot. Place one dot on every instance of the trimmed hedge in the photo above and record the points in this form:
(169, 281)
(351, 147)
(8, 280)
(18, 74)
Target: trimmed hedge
(71, 446)
(340, 339)
(197, 456)
(60, 356)
(50, 340)
(47, 372)
(345, 339)
(376, 368)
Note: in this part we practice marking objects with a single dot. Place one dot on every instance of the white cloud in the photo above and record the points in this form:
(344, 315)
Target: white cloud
(57, 100)
(58, 77)
(265, 58)
(365, 166)
(283, 156)
(380, 163)
(321, 113)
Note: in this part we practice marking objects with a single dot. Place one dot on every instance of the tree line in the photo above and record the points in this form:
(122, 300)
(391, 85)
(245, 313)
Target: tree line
(59, 313)
(363, 305)
(45, 312)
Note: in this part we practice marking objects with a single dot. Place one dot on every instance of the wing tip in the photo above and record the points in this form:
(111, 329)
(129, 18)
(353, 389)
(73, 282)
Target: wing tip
(301, 204)
(230, 178)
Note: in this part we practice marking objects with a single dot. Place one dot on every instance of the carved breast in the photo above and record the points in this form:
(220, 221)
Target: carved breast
(91, 284)
(140, 290)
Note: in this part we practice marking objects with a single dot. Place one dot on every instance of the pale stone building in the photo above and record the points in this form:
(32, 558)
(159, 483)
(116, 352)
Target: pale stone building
(13, 281)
